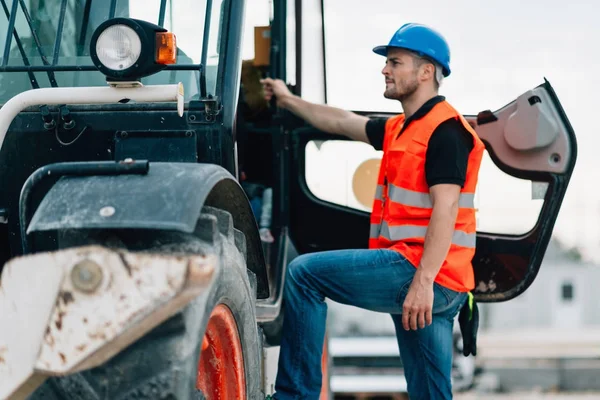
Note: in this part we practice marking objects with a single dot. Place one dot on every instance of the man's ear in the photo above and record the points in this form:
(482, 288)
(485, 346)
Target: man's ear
(427, 71)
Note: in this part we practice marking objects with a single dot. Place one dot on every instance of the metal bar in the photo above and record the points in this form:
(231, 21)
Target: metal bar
(59, 31)
(84, 26)
(73, 169)
(268, 309)
(205, 48)
(32, 78)
(113, 9)
(38, 44)
(11, 28)
(163, 11)
(324, 50)
(171, 13)
(76, 68)
(298, 50)
(228, 80)
(86, 95)
(277, 57)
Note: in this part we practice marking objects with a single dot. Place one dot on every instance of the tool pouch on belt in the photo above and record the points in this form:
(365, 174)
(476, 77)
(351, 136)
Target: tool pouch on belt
(468, 319)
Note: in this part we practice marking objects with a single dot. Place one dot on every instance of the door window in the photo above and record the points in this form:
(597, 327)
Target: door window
(342, 172)
(345, 173)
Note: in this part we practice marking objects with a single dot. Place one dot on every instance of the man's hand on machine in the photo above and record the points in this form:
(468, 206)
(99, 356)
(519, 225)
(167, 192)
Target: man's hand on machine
(277, 88)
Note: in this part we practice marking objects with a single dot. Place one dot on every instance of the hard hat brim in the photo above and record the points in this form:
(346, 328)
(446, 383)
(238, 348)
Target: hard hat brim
(381, 50)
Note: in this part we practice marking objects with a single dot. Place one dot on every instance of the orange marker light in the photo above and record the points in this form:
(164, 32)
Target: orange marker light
(166, 48)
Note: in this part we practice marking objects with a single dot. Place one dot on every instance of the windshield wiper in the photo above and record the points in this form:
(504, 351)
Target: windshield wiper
(36, 39)
(12, 31)
(59, 31)
(84, 27)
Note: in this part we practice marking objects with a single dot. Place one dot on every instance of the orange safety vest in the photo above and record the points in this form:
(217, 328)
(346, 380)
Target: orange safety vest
(402, 207)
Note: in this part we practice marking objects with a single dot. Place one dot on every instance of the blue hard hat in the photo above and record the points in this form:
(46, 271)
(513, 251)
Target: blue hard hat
(422, 40)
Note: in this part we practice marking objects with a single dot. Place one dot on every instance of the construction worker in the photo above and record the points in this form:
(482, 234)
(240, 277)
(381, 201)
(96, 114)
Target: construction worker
(422, 240)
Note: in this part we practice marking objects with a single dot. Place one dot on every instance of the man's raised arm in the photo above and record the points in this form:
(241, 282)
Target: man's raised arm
(324, 118)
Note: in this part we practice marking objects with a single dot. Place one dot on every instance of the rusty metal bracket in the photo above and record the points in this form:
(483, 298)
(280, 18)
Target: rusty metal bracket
(204, 111)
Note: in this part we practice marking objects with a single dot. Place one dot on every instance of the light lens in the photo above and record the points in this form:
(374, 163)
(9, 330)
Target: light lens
(118, 47)
(166, 48)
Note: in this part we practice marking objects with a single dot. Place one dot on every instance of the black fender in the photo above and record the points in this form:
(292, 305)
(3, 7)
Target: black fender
(169, 197)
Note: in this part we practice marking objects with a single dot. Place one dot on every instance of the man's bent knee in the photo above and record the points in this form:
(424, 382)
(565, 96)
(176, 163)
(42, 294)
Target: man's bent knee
(300, 273)
(298, 268)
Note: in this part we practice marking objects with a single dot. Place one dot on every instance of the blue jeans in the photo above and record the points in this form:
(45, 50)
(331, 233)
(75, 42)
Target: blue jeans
(377, 280)
(256, 204)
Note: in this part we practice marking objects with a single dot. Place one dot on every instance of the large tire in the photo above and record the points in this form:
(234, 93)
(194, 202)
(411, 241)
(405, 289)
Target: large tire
(164, 364)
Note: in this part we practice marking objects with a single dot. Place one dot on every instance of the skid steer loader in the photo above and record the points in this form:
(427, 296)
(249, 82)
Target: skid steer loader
(131, 260)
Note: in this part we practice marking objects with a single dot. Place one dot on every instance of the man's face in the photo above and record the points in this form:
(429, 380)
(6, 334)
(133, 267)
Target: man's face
(401, 75)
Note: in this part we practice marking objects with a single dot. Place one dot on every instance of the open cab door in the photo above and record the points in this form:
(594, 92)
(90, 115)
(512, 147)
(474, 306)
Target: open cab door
(531, 153)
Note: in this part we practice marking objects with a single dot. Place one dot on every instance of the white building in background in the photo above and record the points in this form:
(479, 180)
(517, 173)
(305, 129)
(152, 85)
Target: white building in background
(564, 296)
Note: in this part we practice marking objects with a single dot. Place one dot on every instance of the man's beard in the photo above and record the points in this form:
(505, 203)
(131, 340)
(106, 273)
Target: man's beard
(407, 89)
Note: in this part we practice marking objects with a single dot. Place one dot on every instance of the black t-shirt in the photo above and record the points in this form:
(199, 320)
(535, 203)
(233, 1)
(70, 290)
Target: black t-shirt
(448, 149)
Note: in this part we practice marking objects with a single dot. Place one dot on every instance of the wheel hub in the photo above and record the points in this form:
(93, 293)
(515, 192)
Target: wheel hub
(221, 374)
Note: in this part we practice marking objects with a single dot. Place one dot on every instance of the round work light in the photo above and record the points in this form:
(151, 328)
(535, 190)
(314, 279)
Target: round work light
(127, 49)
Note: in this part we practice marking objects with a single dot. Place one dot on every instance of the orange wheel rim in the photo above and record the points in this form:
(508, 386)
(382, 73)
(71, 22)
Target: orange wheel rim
(221, 367)
(325, 371)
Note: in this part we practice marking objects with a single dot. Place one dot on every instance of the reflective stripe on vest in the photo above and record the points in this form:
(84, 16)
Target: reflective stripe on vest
(403, 232)
(375, 230)
(379, 192)
(422, 200)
